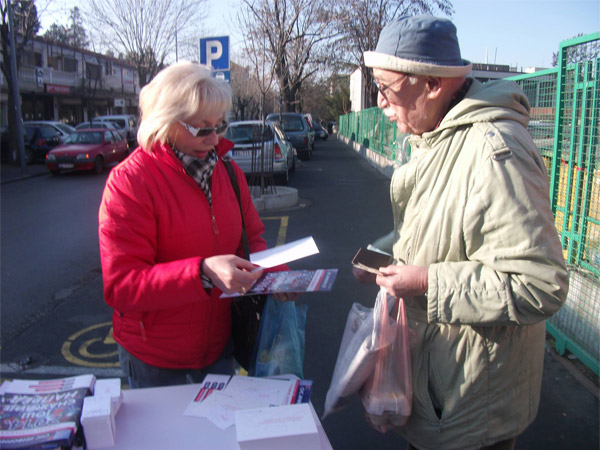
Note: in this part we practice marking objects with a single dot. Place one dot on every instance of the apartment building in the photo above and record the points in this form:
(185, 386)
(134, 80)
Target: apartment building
(72, 85)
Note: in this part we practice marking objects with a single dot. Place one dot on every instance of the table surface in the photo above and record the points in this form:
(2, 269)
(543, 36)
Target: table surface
(152, 419)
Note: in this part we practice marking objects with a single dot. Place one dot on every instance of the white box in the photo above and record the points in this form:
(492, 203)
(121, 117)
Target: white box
(291, 427)
(112, 388)
(97, 422)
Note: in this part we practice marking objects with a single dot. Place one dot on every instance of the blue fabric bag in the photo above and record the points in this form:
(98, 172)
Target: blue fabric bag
(281, 339)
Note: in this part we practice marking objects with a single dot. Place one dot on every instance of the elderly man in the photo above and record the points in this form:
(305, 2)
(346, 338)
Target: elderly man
(479, 262)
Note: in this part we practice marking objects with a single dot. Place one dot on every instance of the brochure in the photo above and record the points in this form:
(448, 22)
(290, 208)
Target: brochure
(42, 413)
(320, 280)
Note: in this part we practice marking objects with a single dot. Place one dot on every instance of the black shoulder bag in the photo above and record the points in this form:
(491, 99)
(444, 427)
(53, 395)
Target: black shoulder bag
(246, 310)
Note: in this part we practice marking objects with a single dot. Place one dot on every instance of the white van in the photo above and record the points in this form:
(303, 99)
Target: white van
(126, 123)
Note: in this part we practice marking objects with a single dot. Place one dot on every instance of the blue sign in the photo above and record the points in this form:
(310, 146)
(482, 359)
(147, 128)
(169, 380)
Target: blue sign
(214, 52)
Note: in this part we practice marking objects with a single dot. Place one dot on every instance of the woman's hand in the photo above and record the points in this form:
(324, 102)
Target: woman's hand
(286, 296)
(230, 273)
(363, 276)
(400, 281)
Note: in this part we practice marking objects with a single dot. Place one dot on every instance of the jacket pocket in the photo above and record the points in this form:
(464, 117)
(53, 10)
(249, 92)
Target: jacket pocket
(435, 391)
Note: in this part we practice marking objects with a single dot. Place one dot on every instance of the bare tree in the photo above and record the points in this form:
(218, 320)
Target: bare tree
(145, 30)
(290, 37)
(26, 24)
(361, 21)
(246, 93)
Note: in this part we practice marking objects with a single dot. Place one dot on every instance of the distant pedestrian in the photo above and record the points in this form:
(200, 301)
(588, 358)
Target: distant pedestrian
(479, 262)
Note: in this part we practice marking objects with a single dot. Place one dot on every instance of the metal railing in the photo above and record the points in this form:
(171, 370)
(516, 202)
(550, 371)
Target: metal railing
(565, 125)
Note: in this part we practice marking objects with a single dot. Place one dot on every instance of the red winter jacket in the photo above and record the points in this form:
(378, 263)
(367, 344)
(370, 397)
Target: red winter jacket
(155, 228)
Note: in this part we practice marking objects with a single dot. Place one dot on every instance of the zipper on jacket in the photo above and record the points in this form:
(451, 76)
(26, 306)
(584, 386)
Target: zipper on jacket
(441, 426)
(214, 221)
(143, 330)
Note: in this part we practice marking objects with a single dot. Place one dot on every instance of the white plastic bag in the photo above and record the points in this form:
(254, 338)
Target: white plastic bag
(363, 337)
(387, 394)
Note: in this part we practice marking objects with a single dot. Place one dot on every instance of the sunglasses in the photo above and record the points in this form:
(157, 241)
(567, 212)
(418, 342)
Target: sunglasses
(205, 131)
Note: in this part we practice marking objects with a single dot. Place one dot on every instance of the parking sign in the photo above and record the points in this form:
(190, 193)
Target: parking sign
(214, 52)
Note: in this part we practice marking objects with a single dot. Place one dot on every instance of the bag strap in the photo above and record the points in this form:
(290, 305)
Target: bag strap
(236, 188)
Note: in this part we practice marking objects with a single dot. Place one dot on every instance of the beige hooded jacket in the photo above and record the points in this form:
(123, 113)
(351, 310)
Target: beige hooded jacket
(473, 206)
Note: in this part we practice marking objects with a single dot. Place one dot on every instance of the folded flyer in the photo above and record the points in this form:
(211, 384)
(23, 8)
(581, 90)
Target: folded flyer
(320, 280)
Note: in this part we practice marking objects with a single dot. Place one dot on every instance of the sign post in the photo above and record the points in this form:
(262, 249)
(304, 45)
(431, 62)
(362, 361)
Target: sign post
(214, 52)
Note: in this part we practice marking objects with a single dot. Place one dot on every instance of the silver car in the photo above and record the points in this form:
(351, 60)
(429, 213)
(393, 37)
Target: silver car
(248, 138)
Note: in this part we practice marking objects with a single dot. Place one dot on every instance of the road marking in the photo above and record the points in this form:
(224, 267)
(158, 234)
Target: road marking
(92, 347)
(283, 224)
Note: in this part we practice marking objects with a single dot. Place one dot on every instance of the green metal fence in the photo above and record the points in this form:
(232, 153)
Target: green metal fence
(565, 125)
(373, 130)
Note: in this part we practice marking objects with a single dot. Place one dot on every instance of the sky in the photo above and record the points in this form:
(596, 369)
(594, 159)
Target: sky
(518, 33)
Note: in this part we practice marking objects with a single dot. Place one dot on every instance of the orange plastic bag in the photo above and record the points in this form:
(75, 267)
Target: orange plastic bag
(387, 394)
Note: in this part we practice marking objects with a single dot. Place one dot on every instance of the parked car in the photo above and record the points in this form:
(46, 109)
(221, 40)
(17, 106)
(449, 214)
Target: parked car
(38, 140)
(63, 130)
(127, 124)
(320, 132)
(90, 149)
(248, 136)
(297, 131)
(97, 124)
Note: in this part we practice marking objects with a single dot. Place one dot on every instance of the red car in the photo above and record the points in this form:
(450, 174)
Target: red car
(90, 149)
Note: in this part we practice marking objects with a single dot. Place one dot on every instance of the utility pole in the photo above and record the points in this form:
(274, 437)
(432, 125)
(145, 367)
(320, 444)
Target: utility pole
(15, 87)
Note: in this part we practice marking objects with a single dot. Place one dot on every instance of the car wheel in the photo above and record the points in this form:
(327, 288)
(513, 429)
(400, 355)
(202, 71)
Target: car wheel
(98, 164)
(55, 172)
(28, 155)
(293, 168)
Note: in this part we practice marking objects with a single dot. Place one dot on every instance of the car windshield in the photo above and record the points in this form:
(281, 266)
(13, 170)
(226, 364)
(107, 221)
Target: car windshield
(291, 123)
(93, 137)
(247, 134)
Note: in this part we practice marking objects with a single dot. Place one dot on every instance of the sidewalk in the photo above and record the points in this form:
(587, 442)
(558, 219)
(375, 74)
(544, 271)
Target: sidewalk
(12, 172)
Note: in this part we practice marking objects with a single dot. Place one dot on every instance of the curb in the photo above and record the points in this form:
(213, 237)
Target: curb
(284, 197)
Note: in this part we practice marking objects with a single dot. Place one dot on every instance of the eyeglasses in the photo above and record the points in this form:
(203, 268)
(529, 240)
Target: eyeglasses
(382, 88)
(205, 131)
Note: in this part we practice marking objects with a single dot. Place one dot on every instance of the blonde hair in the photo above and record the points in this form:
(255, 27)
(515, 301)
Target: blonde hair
(177, 93)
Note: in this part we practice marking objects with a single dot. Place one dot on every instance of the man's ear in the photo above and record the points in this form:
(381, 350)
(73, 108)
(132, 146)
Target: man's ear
(434, 86)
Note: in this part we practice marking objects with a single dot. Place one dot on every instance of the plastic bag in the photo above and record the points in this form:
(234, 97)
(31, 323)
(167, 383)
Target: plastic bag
(362, 339)
(387, 394)
(281, 341)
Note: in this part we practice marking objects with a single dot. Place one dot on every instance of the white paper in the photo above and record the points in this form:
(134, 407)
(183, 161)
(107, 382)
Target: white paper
(265, 428)
(242, 393)
(285, 253)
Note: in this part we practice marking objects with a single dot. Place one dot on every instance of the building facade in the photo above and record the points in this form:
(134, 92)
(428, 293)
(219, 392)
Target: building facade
(71, 85)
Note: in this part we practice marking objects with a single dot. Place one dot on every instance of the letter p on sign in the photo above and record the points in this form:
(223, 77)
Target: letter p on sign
(214, 52)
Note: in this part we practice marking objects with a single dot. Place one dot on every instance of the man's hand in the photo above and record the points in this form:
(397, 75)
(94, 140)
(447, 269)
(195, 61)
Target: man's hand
(401, 281)
(231, 273)
(363, 276)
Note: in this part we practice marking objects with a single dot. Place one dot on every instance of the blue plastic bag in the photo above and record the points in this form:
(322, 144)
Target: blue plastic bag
(280, 348)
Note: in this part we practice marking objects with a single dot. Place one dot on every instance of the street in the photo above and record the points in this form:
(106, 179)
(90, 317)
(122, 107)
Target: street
(55, 323)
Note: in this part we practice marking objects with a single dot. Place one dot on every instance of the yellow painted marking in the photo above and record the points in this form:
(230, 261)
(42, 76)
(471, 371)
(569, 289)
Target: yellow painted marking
(68, 349)
(109, 339)
(283, 225)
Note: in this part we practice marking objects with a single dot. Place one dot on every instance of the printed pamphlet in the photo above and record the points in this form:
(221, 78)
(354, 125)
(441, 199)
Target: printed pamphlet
(42, 413)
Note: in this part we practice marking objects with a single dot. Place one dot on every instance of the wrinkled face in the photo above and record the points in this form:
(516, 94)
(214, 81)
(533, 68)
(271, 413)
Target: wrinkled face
(185, 136)
(403, 102)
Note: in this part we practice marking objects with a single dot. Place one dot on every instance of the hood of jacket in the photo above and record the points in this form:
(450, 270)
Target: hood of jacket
(490, 102)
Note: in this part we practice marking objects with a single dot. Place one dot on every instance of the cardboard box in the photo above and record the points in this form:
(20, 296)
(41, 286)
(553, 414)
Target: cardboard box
(291, 427)
(97, 422)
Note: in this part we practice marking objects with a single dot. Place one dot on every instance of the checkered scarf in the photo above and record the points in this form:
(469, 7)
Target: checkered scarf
(199, 169)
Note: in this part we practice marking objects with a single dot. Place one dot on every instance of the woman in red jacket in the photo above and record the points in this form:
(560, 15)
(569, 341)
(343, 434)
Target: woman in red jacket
(170, 234)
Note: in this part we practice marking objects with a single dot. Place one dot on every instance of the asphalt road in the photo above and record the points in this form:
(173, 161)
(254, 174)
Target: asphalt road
(344, 204)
